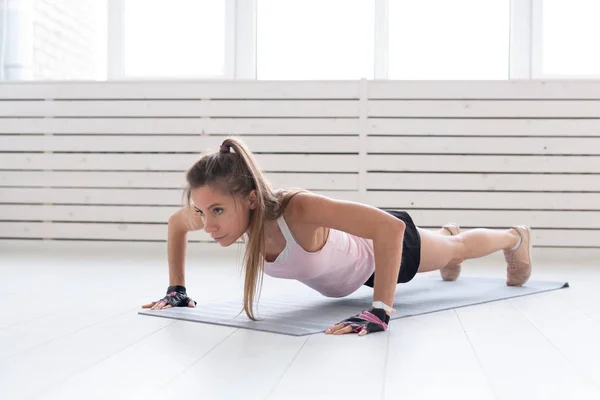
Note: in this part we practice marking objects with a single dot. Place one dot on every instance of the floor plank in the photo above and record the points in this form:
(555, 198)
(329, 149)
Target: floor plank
(248, 364)
(584, 296)
(336, 367)
(430, 357)
(32, 372)
(140, 369)
(519, 361)
(28, 335)
(571, 331)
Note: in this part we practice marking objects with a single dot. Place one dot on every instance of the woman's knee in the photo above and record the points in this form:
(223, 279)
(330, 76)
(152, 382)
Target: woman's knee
(438, 251)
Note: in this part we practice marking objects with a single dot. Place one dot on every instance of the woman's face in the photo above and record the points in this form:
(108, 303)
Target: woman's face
(225, 219)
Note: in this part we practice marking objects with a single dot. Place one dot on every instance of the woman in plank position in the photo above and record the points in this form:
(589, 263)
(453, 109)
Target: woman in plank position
(333, 246)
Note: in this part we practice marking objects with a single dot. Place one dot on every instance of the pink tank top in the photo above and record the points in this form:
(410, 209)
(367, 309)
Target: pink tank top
(338, 269)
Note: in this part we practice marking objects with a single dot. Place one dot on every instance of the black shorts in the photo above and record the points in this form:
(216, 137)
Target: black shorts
(411, 250)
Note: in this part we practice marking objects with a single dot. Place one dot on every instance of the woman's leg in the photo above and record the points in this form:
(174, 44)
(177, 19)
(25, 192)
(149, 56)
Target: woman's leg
(439, 251)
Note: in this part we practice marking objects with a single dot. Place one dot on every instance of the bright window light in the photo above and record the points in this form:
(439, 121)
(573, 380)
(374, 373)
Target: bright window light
(175, 38)
(315, 39)
(570, 33)
(453, 40)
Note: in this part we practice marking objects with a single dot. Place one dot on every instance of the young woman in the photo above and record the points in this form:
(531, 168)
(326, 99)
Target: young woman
(333, 246)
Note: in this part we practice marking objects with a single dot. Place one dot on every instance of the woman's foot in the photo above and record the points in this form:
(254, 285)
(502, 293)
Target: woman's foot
(450, 272)
(519, 260)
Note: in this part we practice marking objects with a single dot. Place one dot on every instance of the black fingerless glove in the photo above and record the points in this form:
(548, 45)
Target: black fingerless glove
(373, 320)
(177, 296)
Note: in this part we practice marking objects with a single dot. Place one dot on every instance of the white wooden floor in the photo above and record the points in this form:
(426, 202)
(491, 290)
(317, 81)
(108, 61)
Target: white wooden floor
(69, 329)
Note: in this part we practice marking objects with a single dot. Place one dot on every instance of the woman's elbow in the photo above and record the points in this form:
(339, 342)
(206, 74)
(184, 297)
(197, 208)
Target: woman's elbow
(391, 231)
(399, 227)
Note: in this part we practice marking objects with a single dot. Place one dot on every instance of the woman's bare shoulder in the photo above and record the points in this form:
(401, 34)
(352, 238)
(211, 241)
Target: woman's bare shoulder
(188, 219)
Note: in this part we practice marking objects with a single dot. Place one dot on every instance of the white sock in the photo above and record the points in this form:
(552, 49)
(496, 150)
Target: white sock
(518, 243)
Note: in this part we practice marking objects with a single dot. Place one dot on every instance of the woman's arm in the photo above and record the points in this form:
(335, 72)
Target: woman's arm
(180, 223)
(386, 231)
(183, 221)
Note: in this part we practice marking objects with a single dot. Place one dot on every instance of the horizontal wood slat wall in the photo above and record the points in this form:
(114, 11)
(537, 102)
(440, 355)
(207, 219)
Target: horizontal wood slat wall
(107, 160)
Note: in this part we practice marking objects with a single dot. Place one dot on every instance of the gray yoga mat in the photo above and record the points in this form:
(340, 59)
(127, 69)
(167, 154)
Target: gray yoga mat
(307, 314)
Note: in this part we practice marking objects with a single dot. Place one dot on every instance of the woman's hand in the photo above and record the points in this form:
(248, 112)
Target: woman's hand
(176, 297)
(373, 320)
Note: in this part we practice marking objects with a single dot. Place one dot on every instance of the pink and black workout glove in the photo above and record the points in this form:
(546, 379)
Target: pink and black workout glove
(373, 320)
(177, 297)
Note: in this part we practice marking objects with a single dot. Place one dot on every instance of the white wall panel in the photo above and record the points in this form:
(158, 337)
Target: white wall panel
(107, 160)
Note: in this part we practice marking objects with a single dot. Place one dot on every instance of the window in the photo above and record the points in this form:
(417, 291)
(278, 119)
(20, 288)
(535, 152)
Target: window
(315, 39)
(175, 38)
(569, 37)
(441, 39)
(67, 42)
